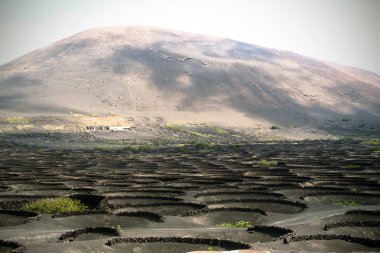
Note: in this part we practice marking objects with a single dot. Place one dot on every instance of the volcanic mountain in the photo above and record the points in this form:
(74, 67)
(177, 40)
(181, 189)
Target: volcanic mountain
(158, 72)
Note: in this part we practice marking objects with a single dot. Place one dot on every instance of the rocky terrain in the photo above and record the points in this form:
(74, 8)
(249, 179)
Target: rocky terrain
(184, 78)
(177, 142)
(311, 196)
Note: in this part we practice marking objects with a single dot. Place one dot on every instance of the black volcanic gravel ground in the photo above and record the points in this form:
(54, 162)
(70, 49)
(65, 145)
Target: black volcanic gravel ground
(167, 194)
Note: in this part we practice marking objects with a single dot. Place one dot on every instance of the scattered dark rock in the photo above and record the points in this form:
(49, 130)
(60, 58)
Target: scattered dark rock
(366, 212)
(87, 212)
(352, 224)
(13, 205)
(193, 205)
(264, 193)
(279, 232)
(29, 216)
(224, 209)
(15, 246)
(71, 235)
(208, 241)
(342, 192)
(372, 243)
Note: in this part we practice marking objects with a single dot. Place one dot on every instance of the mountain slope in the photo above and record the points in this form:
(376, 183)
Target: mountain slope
(153, 71)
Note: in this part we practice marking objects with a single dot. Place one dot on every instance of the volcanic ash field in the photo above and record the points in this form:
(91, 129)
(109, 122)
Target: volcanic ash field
(282, 196)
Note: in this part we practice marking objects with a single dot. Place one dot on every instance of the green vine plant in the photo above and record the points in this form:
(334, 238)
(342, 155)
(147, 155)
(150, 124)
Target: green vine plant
(239, 224)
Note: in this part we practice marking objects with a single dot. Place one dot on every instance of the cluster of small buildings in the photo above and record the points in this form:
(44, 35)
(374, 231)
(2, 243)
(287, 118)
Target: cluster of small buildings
(108, 128)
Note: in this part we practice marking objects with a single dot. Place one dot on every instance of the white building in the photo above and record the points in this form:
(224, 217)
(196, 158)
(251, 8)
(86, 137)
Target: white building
(119, 128)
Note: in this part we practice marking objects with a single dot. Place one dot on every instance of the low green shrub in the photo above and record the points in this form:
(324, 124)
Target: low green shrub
(267, 163)
(146, 147)
(218, 130)
(174, 127)
(138, 148)
(351, 166)
(54, 205)
(184, 129)
(225, 225)
(15, 120)
(242, 224)
(373, 142)
(236, 146)
(239, 224)
(103, 148)
(182, 149)
(374, 149)
(275, 127)
(347, 203)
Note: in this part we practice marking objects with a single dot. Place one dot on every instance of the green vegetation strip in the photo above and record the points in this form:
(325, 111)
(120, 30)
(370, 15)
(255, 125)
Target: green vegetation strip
(15, 120)
(351, 166)
(54, 205)
(267, 163)
(183, 129)
(138, 148)
(347, 203)
(239, 224)
(373, 142)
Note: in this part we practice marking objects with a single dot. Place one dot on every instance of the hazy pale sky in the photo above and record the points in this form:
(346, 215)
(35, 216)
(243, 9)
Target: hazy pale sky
(341, 31)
